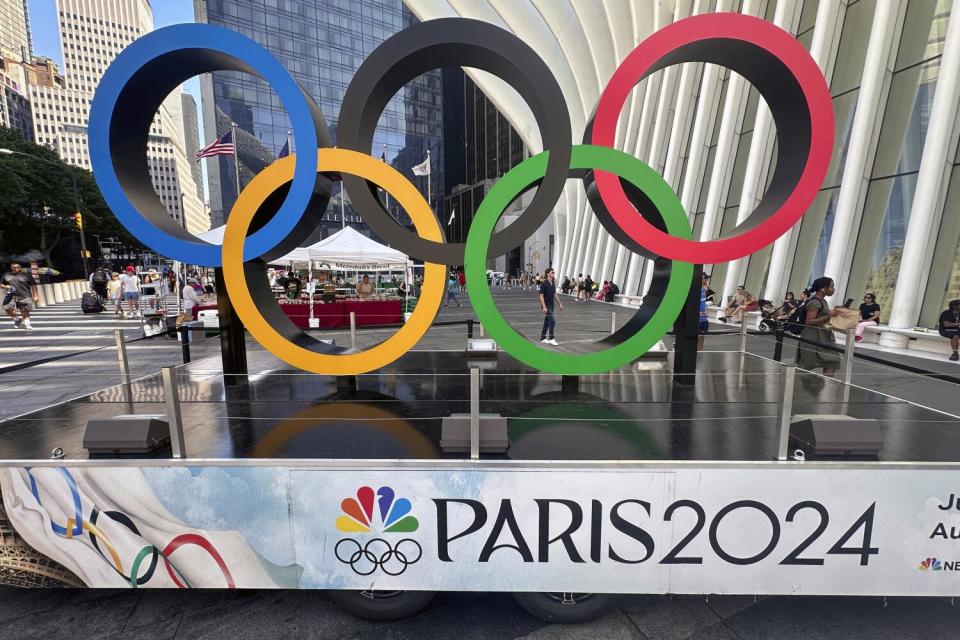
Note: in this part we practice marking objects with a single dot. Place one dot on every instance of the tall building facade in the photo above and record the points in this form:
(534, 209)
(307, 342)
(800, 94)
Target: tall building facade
(322, 43)
(482, 147)
(885, 220)
(92, 33)
(15, 30)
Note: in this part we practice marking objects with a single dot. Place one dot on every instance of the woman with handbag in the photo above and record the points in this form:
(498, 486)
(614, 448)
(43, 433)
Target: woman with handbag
(816, 341)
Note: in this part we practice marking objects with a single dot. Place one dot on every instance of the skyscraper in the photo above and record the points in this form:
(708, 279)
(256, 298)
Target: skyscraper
(191, 138)
(321, 42)
(92, 33)
(15, 30)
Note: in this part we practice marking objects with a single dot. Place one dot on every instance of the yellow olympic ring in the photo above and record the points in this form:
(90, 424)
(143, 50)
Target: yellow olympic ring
(90, 528)
(238, 224)
(374, 417)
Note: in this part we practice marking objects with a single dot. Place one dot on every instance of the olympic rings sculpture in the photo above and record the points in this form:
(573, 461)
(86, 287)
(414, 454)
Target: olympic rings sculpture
(377, 553)
(633, 204)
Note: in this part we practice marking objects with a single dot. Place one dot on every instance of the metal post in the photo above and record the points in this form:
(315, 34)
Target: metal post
(786, 410)
(474, 414)
(848, 357)
(743, 333)
(778, 347)
(185, 343)
(469, 327)
(353, 329)
(481, 328)
(233, 346)
(613, 322)
(172, 398)
(122, 355)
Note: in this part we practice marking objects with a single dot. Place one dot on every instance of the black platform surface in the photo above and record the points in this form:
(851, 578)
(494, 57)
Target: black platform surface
(635, 413)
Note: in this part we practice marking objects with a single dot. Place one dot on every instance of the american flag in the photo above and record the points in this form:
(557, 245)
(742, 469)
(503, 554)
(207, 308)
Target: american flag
(222, 146)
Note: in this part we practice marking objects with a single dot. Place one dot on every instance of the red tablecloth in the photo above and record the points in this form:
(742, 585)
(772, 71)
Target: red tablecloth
(337, 314)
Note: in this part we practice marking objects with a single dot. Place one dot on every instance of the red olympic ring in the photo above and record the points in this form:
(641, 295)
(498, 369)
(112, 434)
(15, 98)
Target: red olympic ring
(660, 50)
(203, 543)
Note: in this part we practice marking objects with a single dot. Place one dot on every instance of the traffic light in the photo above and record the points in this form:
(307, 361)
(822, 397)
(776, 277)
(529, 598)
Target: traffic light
(77, 220)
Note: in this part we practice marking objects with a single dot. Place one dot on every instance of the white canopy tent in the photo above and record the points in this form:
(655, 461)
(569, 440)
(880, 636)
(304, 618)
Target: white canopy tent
(346, 250)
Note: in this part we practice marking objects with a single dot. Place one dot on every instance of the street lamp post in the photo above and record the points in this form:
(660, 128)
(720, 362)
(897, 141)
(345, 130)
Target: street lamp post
(76, 204)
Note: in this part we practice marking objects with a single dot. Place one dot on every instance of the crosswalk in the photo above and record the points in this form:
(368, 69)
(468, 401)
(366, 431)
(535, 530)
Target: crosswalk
(63, 328)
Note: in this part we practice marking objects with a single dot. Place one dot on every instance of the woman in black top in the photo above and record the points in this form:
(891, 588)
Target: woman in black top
(869, 315)
(788, 306)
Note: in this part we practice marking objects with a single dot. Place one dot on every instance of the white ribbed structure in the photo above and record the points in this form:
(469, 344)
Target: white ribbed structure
(883, 219)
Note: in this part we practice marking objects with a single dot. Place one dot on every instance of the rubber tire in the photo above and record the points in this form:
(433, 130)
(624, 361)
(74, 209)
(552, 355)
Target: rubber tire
(396, 607)
(548, 609)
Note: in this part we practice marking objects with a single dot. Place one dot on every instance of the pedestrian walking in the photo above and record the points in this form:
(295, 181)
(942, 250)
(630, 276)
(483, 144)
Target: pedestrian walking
(815, 350)
(115, 292)
(452, 285)
(21, 294)
(548, 295)
(98, 282)
(130, 286)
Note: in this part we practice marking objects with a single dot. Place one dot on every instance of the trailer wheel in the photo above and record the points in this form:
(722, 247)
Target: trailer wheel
(566, 608)
(382, 605)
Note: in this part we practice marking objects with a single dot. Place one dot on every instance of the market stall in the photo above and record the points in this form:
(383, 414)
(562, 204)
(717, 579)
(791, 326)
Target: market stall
(346, 252)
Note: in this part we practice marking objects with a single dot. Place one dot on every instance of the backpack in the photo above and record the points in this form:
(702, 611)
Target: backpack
(99, 276)
(797, 319)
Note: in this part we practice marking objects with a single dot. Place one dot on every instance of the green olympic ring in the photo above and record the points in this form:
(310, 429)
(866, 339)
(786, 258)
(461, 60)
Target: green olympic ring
(515, 182)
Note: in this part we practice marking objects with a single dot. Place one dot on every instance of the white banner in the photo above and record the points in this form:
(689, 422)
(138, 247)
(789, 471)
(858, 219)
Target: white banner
(748, 529)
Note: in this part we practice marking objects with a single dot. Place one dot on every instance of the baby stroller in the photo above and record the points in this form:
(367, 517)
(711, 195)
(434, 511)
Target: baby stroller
(768, 316)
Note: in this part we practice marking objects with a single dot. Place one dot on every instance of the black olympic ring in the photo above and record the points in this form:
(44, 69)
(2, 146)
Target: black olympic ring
(468, 43)
(123, 519)
(365, 557)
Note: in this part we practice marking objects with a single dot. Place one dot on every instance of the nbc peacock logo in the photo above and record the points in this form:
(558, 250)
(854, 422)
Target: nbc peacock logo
(931, 564)
(379, 512)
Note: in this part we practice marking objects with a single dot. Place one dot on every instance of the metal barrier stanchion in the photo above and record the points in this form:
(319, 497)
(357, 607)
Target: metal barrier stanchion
(172, 398)
(848, 357)
(469, 327)
(743, 333)
(122, 355)
(474, 414)
(786, 411)
(353, 329)
(613, 322)
(481, 328)
(185, 343)
(778, 347)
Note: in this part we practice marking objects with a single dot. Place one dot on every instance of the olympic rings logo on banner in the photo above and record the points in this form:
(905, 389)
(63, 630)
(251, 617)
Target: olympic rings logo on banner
(76, 526)
(633, 204)
(378, 554)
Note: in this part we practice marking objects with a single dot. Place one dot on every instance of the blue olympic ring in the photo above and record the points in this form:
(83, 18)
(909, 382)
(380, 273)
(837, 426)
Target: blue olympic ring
(158, 62)
(74, 492)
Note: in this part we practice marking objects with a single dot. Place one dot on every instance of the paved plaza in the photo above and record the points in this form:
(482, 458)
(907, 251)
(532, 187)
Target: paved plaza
(121, 615)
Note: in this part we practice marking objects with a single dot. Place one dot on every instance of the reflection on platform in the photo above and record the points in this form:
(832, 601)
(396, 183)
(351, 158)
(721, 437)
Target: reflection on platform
(634, 413)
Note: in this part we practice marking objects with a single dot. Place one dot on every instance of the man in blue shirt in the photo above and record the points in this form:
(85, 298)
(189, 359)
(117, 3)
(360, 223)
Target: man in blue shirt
(705, 295)
(548, 294)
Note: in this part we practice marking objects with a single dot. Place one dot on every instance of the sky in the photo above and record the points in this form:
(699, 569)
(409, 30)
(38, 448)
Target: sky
(46, 38)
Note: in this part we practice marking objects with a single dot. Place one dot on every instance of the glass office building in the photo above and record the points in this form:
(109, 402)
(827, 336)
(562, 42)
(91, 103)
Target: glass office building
(322, 43)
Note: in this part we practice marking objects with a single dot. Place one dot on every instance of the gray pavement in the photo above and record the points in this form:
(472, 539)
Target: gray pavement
(302, 615)
(129, 615)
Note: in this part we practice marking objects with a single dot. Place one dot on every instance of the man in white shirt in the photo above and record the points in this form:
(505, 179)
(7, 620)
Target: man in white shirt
(130, 287)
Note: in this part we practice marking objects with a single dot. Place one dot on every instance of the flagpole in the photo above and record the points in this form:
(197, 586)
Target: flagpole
(429, 192)
(236, 161)
(385, 192)
(343, 215)
(289, 142)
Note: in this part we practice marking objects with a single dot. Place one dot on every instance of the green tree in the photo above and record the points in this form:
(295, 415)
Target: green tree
(37, 196)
